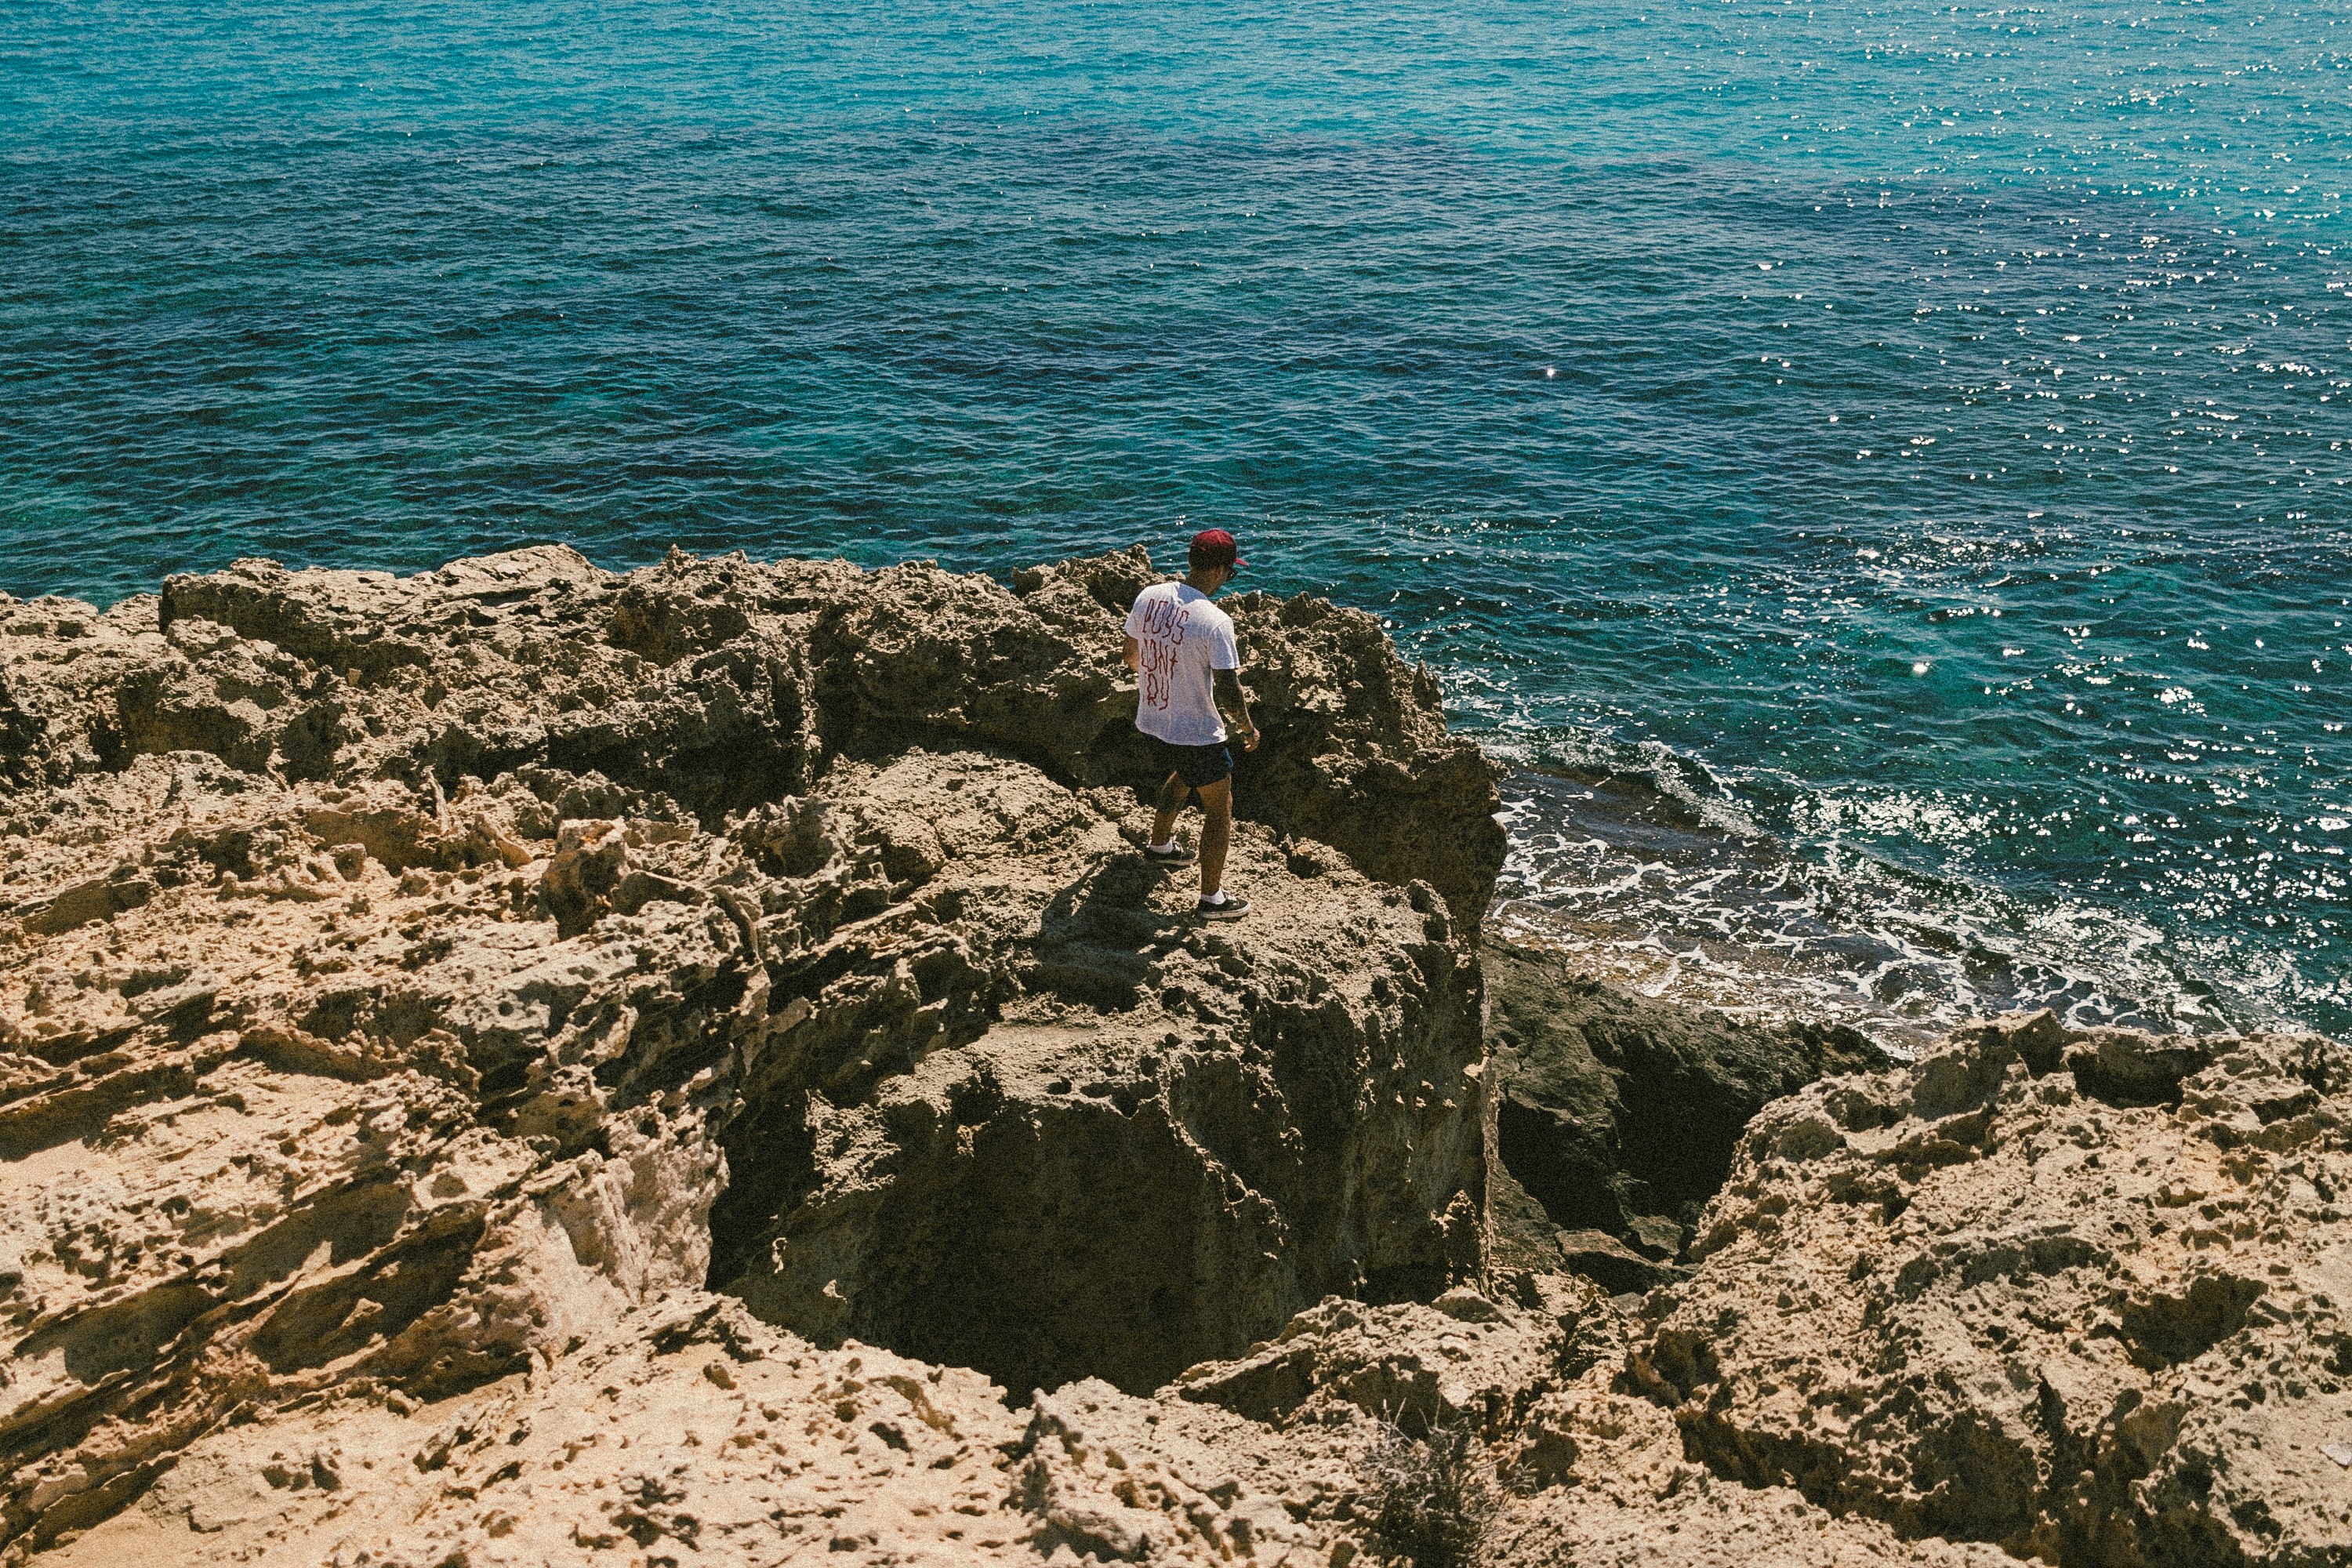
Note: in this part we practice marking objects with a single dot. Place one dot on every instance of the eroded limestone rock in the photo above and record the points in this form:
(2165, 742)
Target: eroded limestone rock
(1038, 1055)
(1616, 1117)
(404, 980)
(726, 683)
(2082, 1294)
(524, 1065)
(688, 1430)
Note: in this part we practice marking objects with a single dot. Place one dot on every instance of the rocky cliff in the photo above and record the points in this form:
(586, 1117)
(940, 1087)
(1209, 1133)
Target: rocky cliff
(405, 979)
(2080, 1294)
(529, 1065)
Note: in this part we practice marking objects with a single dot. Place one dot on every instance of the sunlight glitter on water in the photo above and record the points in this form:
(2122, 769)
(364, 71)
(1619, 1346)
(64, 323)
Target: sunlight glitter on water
(1634, 886)
(1913, 440)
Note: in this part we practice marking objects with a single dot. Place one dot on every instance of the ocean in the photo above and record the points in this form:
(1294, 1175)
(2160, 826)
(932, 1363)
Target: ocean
(1874, 475)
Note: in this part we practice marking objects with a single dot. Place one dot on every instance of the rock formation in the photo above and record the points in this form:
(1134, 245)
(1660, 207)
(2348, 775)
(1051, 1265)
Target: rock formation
(406, 978)
(693, 1433)
(1616, 1116)
(2082, 1294)
(528, 1065)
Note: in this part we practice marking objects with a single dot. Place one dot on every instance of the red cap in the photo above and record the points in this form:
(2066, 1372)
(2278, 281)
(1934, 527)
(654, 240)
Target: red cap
(1215, 547)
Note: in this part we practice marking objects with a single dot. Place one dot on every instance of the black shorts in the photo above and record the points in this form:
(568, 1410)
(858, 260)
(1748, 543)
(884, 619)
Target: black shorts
(1196, 765)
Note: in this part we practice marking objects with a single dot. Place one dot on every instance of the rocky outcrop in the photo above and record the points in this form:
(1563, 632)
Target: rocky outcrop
(1616, 1117)
(1577, 1470)
(2079, 1293)
(725, 683)
(2071, 1295)
(1040, 1055)
(406, 979)
(525, 1065)
(698, 1434)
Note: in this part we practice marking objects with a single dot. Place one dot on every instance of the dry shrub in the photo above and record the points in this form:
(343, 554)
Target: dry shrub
(1427, 1499)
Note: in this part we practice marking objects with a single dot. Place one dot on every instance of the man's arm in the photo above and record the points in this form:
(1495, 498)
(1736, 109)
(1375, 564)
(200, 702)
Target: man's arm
(1232, 700)
(1134, 653)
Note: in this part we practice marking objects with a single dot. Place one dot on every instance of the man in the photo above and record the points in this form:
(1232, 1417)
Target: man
(1186, 665)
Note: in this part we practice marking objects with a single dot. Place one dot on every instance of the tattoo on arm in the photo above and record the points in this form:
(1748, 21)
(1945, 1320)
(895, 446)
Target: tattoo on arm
(1230, 697)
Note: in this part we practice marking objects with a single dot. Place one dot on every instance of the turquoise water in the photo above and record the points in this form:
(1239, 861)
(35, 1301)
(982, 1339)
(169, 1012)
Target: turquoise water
(1878, 473)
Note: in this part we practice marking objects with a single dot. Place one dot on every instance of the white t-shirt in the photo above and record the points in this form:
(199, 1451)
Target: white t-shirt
(1180, 638)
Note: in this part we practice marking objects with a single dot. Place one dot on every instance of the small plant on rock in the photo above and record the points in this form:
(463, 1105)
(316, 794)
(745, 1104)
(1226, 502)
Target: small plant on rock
(1427, 1499)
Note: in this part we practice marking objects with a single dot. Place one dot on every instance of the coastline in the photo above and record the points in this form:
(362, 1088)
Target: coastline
(1682, 898)
(524, 1059)
(1642, 867)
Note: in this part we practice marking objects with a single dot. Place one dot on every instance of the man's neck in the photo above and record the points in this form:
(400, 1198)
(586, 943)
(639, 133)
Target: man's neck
(1195, 584)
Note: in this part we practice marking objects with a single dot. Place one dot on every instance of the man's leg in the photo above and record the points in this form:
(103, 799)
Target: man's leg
(1171, 802)
(1216, 833)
